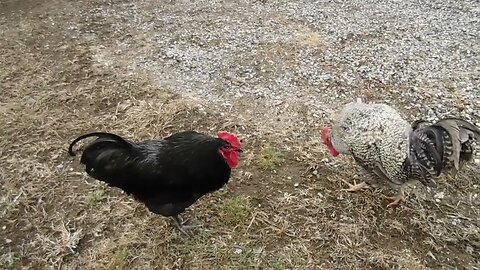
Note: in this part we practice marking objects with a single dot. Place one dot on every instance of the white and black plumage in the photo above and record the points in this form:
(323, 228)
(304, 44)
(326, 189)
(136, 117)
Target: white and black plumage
(392, 151)
(166, 175)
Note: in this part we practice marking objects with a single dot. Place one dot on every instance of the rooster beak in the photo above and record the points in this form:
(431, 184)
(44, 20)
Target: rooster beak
(239, 150)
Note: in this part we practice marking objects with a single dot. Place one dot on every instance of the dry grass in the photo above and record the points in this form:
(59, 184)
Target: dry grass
(268, 217)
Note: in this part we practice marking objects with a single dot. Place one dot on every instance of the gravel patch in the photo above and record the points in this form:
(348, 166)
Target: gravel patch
(420, 55)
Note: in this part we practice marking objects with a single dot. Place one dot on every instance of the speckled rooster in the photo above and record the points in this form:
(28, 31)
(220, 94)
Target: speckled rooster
(392, 152)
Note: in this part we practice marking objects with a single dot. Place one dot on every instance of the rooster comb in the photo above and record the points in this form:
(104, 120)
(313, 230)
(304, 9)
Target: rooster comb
(230, 138)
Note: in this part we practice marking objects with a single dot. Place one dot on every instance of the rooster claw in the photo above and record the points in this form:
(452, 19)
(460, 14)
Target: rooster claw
(185, 229)
(355, 187)
(399, 198)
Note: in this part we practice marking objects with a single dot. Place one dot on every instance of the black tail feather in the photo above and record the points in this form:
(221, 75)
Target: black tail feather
(426, 159)
(434, 137)
(105, 157)
(460, 133)
(115, 137)
(436, 146)
(465, 125)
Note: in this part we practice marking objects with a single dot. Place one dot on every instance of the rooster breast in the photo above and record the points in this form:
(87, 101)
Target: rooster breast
(376, 136)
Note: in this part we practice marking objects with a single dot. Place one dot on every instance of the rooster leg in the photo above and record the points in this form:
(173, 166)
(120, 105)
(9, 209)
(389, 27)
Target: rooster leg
(355, 186)
(397, 199)
(180, 224)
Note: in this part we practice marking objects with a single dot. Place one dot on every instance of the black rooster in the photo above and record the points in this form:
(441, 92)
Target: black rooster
(166, 175)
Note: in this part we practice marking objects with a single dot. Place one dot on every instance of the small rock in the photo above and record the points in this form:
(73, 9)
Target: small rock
(439, 195)
(238, 251)
(278, 102)
(289, 177)
(295, 185)
(460, 106)
(258, 251)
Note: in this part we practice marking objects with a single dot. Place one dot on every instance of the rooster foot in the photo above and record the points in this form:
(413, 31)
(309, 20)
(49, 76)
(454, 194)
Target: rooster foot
(355, 186)
(400, 197)
(185, 229)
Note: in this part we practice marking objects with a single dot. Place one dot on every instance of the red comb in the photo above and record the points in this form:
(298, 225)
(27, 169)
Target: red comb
(230, 138)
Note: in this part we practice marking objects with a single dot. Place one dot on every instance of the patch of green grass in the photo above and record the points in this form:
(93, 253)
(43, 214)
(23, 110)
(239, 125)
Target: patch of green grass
(276, 263)
(270, 158)
(236, 211)
(97, 196)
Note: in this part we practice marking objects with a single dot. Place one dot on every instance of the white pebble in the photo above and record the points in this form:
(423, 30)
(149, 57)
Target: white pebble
(439, 195)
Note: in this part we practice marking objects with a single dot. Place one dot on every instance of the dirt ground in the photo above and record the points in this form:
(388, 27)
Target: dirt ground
(146, 69)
